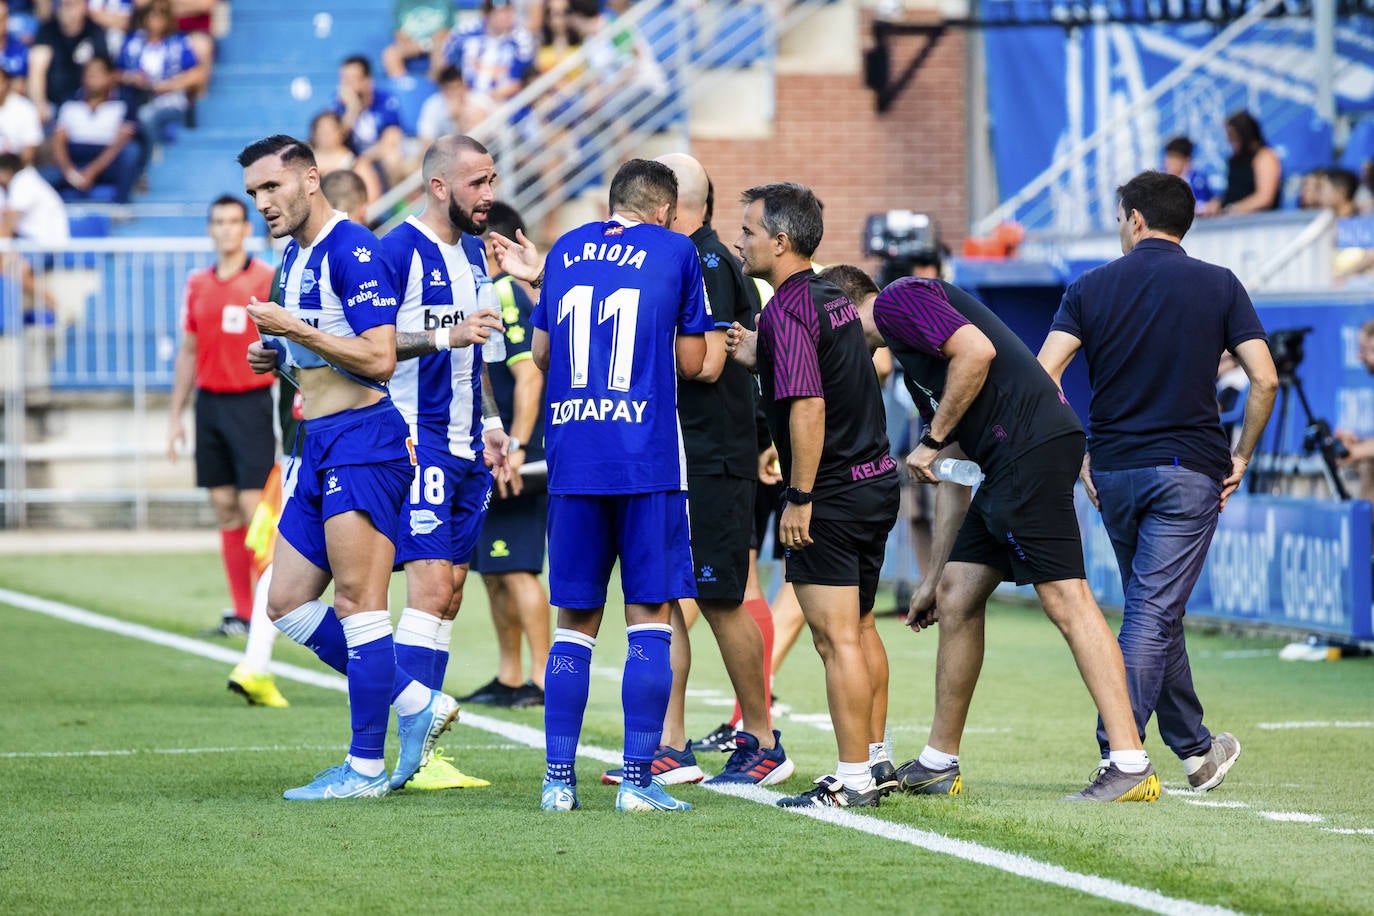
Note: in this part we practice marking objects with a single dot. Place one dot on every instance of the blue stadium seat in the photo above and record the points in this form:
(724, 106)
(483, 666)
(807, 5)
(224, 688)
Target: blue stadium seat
(89, 225)
(410, 93)
(1359, 149)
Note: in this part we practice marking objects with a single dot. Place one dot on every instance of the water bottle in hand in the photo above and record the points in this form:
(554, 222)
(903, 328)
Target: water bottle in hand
(957, 470)
(494, 347)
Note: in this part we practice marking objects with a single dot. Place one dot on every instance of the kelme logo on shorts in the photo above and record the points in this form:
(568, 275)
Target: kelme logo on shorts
(500, 549)
(423, 521)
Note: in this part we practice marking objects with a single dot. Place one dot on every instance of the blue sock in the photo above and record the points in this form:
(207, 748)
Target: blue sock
(415, 644)
(371, 672)
(644, 690)
(567, 677)
(315, 626)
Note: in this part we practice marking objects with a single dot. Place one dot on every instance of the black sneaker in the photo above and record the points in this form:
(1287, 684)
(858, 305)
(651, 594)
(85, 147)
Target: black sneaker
(915, 779)
(1112, 784)
(526, 695)
(722, 740)
(885, 777)
(229, 626)
(493, 693)
(831, 793)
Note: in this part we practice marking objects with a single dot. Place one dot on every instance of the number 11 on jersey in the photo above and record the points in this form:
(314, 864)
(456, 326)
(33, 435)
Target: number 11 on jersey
(621, 308)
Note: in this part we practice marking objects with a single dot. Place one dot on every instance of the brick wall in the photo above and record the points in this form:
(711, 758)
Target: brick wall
(829, 136)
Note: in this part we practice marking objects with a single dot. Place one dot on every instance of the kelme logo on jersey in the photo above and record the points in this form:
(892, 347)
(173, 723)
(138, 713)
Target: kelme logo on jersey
(423, 521)
(710, 259)
(307, 281)
(362, 254)
(332, 484)
(436, 278)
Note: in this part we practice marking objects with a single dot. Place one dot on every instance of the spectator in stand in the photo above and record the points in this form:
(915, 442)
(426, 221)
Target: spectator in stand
(14, 53)
(1254, 174)
(194, 19)
(94, 140)
(116, 17)
(21, 131)
(25, 16)
(162, 64)
(371, 118)
(1178, 160)
(450, 110)
(346, 192)
(65, 43)
(30, 209)
(1361, 450)
(562, 28)
(420, 29)
(333, 155)
(1309, 191)
(494, 55)
(1337, 193)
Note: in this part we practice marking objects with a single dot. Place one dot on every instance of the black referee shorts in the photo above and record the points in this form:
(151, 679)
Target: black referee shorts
(849, 551)
(235, 443)
(1022, 523)
(720, 510)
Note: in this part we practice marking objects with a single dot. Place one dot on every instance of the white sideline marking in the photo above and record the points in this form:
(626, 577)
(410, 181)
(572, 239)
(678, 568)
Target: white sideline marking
(1271, 726)
(1013, 863)
(1296, 817)
(131, 752)
(1203, 803)
(1361, 831)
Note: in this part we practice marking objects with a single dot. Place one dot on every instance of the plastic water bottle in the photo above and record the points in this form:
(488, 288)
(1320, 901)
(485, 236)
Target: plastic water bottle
(956, 470)
(494, 348)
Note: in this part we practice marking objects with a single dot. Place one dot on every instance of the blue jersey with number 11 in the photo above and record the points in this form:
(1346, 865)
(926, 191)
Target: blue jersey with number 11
(614, 299)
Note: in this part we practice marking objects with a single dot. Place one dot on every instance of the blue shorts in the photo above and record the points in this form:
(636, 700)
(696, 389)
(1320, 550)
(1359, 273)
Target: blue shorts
(354, 460)
(647, 531)
(513, 536)
(443, 516)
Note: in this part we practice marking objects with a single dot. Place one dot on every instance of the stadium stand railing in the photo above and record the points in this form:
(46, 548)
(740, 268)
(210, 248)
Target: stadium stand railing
(1076, 193)
(566, 131)
(85, 358)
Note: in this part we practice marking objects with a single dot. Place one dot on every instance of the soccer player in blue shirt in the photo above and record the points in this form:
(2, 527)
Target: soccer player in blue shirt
(440, 391)
(622, 313)
(336, 327)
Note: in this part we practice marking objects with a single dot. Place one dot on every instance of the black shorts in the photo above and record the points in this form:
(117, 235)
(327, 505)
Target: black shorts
(1022, 522)
(236, 445)
(767, 509)
(849, 551)
(720, 510)
(513, 535)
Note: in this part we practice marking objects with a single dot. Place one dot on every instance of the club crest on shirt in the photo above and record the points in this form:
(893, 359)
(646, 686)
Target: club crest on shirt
(307, 280)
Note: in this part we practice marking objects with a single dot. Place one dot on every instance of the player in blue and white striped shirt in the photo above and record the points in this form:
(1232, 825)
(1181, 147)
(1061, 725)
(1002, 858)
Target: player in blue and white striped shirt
(336, 327)
(439, 388)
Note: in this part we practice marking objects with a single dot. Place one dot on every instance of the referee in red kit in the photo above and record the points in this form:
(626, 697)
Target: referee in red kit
(235, 443)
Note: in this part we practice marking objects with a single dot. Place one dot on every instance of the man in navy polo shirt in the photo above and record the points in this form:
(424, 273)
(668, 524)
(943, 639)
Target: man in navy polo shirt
(1153, 326)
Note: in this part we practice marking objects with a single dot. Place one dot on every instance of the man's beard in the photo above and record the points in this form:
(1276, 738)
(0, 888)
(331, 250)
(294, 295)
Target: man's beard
(464, 222)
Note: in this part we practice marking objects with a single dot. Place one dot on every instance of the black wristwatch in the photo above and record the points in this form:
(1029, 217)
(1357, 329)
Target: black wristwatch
(795, 496)
(930, 441)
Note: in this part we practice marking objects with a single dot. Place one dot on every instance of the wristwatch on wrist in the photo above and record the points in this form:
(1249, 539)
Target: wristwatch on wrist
(795, 496)
(514, 445)
(930, 441)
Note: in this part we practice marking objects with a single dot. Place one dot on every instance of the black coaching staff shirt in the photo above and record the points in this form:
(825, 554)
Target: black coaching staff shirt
(811, 345)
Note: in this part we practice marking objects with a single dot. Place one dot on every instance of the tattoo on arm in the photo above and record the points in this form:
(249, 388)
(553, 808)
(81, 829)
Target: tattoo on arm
(410, 344)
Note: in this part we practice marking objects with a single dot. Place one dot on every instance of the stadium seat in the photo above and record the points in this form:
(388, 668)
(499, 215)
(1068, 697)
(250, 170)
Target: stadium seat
(410, 92)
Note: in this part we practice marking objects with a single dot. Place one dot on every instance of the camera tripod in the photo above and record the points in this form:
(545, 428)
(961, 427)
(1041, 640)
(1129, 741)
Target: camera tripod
(1316, 438)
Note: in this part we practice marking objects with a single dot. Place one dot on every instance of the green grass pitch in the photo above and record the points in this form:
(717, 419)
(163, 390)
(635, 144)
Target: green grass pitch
(186, 816)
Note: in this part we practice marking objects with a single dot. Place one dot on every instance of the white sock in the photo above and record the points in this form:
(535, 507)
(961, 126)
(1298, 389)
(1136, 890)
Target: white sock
(932, 759)
(561, 634)
(443, 636)
(857, 777)
(367, 766)
(257, 655)
(877, 751)
(413, 699)
(301, 623)
(365, 627)
(1132, 762)
(416, 628)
